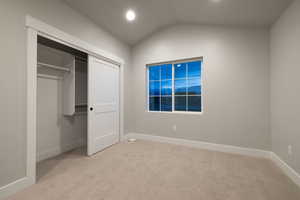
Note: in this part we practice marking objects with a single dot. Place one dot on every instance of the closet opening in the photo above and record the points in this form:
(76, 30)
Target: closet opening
(74, 100)
(62, 103)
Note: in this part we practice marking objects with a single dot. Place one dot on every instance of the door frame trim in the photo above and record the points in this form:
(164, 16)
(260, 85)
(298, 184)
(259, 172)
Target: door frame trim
(35, 27)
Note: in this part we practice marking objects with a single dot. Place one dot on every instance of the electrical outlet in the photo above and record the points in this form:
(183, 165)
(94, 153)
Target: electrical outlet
(174, 128)
(290, 150)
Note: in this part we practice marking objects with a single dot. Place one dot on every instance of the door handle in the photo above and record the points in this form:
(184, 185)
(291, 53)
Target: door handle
(91, 108)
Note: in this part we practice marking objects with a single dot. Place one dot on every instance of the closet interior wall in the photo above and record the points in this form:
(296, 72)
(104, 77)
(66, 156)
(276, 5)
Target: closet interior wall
(58, 132)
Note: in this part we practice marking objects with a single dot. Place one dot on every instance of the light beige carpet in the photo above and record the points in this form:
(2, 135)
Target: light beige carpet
(158, 171)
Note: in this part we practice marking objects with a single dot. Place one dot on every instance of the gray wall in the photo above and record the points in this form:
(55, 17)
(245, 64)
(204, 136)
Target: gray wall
(236, 80)
(285, 85)
(235, 84)
(13, 77)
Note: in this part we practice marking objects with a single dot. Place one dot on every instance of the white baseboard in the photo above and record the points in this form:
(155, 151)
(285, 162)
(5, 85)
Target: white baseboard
(202, 145)
(17, 185)
(22, 183)
(290, 172)
(48, 153)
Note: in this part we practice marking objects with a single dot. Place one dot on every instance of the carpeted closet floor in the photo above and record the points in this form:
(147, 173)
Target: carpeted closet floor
(157, 171)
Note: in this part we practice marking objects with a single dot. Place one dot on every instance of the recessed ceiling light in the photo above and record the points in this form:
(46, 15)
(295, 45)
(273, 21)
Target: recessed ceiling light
(130, 15)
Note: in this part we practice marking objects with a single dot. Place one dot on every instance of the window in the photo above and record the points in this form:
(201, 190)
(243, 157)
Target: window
(175, 87)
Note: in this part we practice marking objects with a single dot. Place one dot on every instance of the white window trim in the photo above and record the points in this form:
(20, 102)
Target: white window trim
(173, 63)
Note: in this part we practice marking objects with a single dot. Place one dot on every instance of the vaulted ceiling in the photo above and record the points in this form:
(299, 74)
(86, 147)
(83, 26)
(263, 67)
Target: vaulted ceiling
(153, 15)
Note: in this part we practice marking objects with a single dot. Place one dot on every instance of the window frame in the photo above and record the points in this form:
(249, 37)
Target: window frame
(173, 63)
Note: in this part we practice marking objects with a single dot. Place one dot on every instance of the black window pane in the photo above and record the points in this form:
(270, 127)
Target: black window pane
(166, 71)
(154, 88)
(194, 86)
(180, 87)
(154, 103)
(194, 103)
(180, 103)
(166, 103)
(194, 69)
(154, 73)
(166, 87)
(180, 70)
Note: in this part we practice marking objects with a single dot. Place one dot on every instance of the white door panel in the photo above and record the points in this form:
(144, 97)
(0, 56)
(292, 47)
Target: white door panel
(103, 129)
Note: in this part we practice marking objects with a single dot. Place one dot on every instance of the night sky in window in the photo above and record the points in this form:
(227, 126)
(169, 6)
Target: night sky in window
(179, 82)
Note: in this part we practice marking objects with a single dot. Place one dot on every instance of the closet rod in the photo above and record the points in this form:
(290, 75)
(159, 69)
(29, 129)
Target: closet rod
(49, 77)
(53, 67)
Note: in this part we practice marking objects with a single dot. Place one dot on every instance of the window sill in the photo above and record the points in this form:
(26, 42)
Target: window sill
(176, 112)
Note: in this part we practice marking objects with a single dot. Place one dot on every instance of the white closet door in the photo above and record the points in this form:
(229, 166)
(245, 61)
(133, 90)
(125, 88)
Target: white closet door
(103, 100)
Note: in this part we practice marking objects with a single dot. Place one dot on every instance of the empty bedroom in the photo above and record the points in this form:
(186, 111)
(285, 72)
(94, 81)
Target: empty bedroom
(150, 100)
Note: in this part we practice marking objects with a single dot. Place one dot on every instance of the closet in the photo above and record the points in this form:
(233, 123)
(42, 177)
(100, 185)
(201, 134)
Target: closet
(61, 98)
(78, 97)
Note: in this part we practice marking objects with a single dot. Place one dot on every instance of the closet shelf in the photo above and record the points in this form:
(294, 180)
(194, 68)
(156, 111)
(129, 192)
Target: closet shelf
(40, 64)
(81, 105)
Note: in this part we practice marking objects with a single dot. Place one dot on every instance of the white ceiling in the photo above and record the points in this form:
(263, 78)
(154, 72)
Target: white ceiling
(153, 15)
